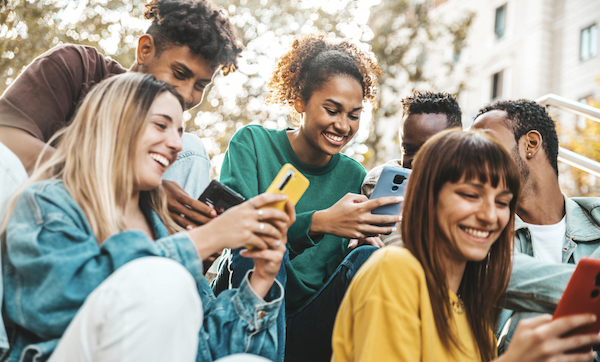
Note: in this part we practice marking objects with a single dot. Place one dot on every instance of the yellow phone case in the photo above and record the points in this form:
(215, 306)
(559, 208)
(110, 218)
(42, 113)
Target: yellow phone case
(288, 181)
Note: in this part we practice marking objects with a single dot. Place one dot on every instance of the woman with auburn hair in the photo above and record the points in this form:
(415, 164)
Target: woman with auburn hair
(94, 268)
(434, 299)
(325, 82)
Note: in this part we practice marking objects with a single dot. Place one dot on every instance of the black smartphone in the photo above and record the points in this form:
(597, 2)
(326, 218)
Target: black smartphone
(392, 182)
(220, 196)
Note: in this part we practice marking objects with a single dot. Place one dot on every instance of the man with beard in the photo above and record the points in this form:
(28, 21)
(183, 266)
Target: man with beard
(553, 232)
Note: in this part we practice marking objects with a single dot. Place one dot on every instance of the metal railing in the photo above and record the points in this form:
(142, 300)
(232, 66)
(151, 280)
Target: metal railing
(580, 109)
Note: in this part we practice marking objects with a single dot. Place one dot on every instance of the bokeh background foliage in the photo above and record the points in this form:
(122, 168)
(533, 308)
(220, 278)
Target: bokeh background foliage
(402, 34)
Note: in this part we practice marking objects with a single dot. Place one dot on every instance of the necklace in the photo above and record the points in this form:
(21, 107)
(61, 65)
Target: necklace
(458, 306)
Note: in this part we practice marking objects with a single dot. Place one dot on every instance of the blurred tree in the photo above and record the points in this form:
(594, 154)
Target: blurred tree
(402, 33)
(29, 28)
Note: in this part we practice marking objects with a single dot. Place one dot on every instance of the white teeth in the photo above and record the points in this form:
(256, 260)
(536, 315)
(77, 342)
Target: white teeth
(160, 159)
(334, 137)
(477, 233)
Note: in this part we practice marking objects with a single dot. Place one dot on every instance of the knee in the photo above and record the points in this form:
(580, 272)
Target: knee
(159, 285)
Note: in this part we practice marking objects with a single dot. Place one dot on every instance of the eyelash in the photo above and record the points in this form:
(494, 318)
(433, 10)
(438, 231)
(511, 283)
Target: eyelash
(160, 125)
(333, 113)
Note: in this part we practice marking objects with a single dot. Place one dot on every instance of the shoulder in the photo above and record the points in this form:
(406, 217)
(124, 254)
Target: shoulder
(351, 165)
(255, 134)
(44, 198)
(394, 263)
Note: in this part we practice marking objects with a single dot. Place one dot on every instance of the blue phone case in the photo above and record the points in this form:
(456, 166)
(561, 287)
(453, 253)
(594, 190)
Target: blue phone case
(392, 182)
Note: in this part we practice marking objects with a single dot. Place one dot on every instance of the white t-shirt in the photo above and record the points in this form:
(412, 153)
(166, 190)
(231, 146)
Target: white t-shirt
(548, 240)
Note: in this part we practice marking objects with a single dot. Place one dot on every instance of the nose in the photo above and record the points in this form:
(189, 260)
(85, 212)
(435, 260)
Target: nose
(187, 93)
(487, 212)
(342, 125)
(174, 142)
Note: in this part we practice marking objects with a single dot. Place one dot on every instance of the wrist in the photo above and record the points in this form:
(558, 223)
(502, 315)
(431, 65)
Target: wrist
(205, 247)
(260, 284)
(318, 225)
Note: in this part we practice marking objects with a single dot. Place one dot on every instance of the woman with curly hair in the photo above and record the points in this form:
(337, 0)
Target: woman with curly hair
(325, 82)
(96, 270)
(435, 298)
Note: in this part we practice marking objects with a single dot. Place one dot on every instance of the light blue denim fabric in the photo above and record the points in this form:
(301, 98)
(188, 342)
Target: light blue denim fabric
(192, 168)
(12, 176)
(536, 285)
(52, 262)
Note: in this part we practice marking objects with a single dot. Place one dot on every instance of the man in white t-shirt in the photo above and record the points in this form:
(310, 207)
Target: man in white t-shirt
(553, 232)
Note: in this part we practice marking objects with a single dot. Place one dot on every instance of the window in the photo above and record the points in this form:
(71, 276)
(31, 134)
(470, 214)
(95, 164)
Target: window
(500, 22)
(497, 79)
(588, 44)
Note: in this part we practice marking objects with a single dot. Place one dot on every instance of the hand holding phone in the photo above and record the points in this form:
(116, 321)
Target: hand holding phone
(288, 181)
(582, 295)
(392, 182)
(220, 196)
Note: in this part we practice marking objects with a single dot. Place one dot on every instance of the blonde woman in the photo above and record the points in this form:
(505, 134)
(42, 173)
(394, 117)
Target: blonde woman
(94, 269)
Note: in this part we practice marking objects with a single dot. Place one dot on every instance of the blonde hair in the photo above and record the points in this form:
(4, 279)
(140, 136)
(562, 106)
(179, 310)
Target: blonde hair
(95, 155)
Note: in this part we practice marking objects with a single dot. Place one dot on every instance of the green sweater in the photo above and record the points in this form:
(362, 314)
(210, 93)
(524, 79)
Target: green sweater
(252, 161)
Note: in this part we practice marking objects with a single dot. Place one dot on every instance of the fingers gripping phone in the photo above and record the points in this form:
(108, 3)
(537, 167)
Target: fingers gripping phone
(392, 182)
(582, 295)
(288, 181)
(220, 196)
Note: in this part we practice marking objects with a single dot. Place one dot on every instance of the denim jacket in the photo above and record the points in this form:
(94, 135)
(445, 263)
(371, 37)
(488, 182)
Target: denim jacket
(536, 285)
(52, 262)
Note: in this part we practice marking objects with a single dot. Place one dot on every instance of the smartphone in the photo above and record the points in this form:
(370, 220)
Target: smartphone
(392, 182)
(288, 181)
(220, 196)
(582, 295)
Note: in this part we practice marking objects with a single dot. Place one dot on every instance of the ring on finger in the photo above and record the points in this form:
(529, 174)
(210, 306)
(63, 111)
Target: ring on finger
(277, 244)
(260, 215)
(261, 227)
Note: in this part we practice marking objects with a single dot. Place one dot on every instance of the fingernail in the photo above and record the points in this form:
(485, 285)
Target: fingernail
(400, 198)
(189, 227)
(393, 229)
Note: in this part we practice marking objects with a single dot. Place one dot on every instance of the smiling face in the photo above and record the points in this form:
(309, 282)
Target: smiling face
(160, 142)
(416, 130)
(331, 119)
(179, 67)
(472, 215)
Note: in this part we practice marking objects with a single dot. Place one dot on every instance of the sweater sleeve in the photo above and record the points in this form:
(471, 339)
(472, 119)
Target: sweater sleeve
(379, 318)
(51, 251)
(56, 81)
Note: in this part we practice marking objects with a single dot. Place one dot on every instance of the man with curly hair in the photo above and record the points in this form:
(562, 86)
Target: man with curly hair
(186, 44)
(423, 115)
(553, 232)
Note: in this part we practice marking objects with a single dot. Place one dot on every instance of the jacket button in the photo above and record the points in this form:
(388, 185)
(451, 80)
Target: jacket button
(261, 314)
(566, 248)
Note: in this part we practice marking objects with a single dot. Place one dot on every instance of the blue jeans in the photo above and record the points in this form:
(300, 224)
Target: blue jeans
(310, 327)
(239, 267)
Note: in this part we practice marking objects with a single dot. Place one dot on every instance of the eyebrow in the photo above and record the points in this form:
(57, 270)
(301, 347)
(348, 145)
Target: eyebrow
(164, 116)
(339, 105)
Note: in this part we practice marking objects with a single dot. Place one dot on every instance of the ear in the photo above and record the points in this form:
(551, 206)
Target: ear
(533, 143)
(299, 105)
(145, 49)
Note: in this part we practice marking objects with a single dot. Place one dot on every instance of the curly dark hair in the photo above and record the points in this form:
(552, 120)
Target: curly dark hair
(201, 26)
(431, 102)
(312, 60)
(524, 116)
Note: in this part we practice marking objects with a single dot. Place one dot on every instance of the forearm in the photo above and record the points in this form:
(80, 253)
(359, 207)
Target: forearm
(25, 146)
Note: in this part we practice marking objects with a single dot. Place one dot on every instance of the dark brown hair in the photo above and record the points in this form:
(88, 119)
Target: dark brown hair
(204, 28)
(450, 156)
(312, 60)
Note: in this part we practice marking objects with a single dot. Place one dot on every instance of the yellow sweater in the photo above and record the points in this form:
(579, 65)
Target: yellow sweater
(386, 315)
